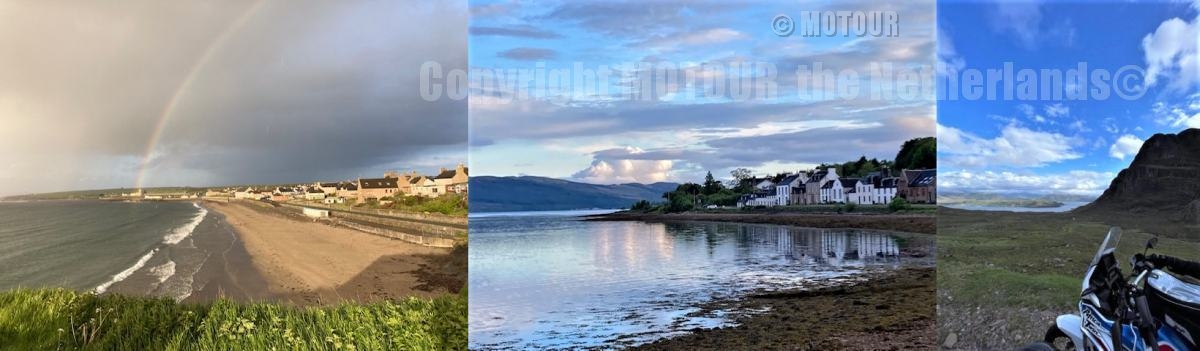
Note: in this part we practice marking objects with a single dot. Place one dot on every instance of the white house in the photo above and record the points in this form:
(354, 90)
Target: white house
(765, 184)
(335, 200)
(328, 188)
(814, 187)
(863, 192)
(884, 190)
(835, 192)
(249, 193)
(314, 194)
(783, 190)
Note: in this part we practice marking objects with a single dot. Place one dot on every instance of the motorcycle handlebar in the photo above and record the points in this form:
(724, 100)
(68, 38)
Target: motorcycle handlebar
(1176, 265)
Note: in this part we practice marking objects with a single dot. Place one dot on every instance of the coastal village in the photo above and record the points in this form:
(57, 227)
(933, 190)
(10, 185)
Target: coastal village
(382, 190)
(917, 186)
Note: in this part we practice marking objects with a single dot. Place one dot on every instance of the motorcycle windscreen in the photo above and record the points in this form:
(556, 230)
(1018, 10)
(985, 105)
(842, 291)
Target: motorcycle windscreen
(1108, 246)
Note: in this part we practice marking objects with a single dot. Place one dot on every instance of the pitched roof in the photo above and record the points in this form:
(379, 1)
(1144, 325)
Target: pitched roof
(886, 182)
(848, 182)
(817, 176)
(378, 183)
(789, 179)
(921, 177)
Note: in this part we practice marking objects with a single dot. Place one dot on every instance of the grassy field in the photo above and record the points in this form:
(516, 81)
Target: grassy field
(1003, 277)
(447, 204)
(59, 319)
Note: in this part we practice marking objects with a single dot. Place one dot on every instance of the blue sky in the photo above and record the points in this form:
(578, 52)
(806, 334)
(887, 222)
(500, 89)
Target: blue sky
(596, 138)
(1063, 145)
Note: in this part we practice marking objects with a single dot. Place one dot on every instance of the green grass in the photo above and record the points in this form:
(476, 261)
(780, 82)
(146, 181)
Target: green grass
(447, 204)
(60, 319)
(1022, 269)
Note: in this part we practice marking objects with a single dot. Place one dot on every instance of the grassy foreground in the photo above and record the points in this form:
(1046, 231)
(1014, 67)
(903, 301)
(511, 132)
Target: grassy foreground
(1003, 277)
(61, 319)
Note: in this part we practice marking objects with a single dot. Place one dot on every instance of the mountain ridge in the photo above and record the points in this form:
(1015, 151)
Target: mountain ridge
(1162, 181)
(533, 193)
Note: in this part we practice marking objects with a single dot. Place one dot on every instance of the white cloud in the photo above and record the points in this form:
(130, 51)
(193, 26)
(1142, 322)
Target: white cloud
(1031, 113)
(1057, 110)
(1014, 147)
(605, 170)
(1126, 145)
(948, 60)
(693, 38)
(1185, 115)
(1171, 52)
(1021, 19)
(1074, 182)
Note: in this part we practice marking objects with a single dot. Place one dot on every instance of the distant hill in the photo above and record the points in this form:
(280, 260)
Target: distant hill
(1162, 182)
(1009, 199)
(502, 194)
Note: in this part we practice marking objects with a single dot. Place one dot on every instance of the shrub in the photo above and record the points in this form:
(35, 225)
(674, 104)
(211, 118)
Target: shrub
(897, 204)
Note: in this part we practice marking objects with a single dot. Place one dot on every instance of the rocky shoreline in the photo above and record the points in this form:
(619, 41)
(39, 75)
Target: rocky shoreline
(906, 223)
(886, 311)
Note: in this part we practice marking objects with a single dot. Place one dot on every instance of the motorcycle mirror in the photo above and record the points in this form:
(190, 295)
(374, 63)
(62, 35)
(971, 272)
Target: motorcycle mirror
(1150, 244)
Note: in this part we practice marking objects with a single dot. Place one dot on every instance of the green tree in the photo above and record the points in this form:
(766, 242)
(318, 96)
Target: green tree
(680, 202)
(919, 153)
(711, 185)
(740, 175)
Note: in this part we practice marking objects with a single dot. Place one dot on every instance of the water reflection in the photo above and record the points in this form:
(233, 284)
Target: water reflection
(559, 282)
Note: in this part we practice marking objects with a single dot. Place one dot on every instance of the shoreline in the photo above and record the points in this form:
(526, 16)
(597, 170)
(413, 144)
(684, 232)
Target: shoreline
(902, 223)
(311, 263)
(889, 310)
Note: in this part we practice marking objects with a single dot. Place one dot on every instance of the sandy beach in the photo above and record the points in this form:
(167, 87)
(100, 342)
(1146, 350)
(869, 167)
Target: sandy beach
(308, 262)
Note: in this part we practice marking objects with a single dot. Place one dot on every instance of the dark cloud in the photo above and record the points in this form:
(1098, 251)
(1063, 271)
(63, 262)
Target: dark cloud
(521, 31)
(528, 54)
(296, 92)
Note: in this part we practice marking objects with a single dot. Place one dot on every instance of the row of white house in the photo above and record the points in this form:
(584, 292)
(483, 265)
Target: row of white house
(826, 187)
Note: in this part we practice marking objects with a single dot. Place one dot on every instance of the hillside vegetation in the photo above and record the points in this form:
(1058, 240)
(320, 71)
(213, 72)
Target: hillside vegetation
(60, 319)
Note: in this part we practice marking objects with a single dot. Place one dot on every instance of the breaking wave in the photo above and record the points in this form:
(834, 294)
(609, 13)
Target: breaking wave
(182, 232)
(127, 272)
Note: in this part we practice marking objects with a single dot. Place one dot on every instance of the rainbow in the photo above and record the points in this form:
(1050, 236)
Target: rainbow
(169, 110)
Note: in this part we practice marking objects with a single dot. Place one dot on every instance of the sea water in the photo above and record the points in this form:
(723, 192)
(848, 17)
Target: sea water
(554, 281)
(140, 248)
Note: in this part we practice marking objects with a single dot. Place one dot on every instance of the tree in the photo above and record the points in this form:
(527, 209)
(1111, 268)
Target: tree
(739, 176)
(680, 202)
(711, 185)
(919, 153)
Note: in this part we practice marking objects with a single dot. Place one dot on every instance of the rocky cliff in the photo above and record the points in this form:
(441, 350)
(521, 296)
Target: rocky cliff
(1162, 181)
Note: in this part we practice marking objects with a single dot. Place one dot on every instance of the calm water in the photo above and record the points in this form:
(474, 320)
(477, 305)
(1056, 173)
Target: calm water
(543, 282)
(1067, 206)
(104, 246)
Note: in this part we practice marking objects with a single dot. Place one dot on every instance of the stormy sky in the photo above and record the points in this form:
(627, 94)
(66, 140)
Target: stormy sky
(600, 138)
(265, 92)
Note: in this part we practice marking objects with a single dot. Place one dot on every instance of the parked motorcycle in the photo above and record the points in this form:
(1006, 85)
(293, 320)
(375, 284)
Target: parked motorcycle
(1153, 308)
